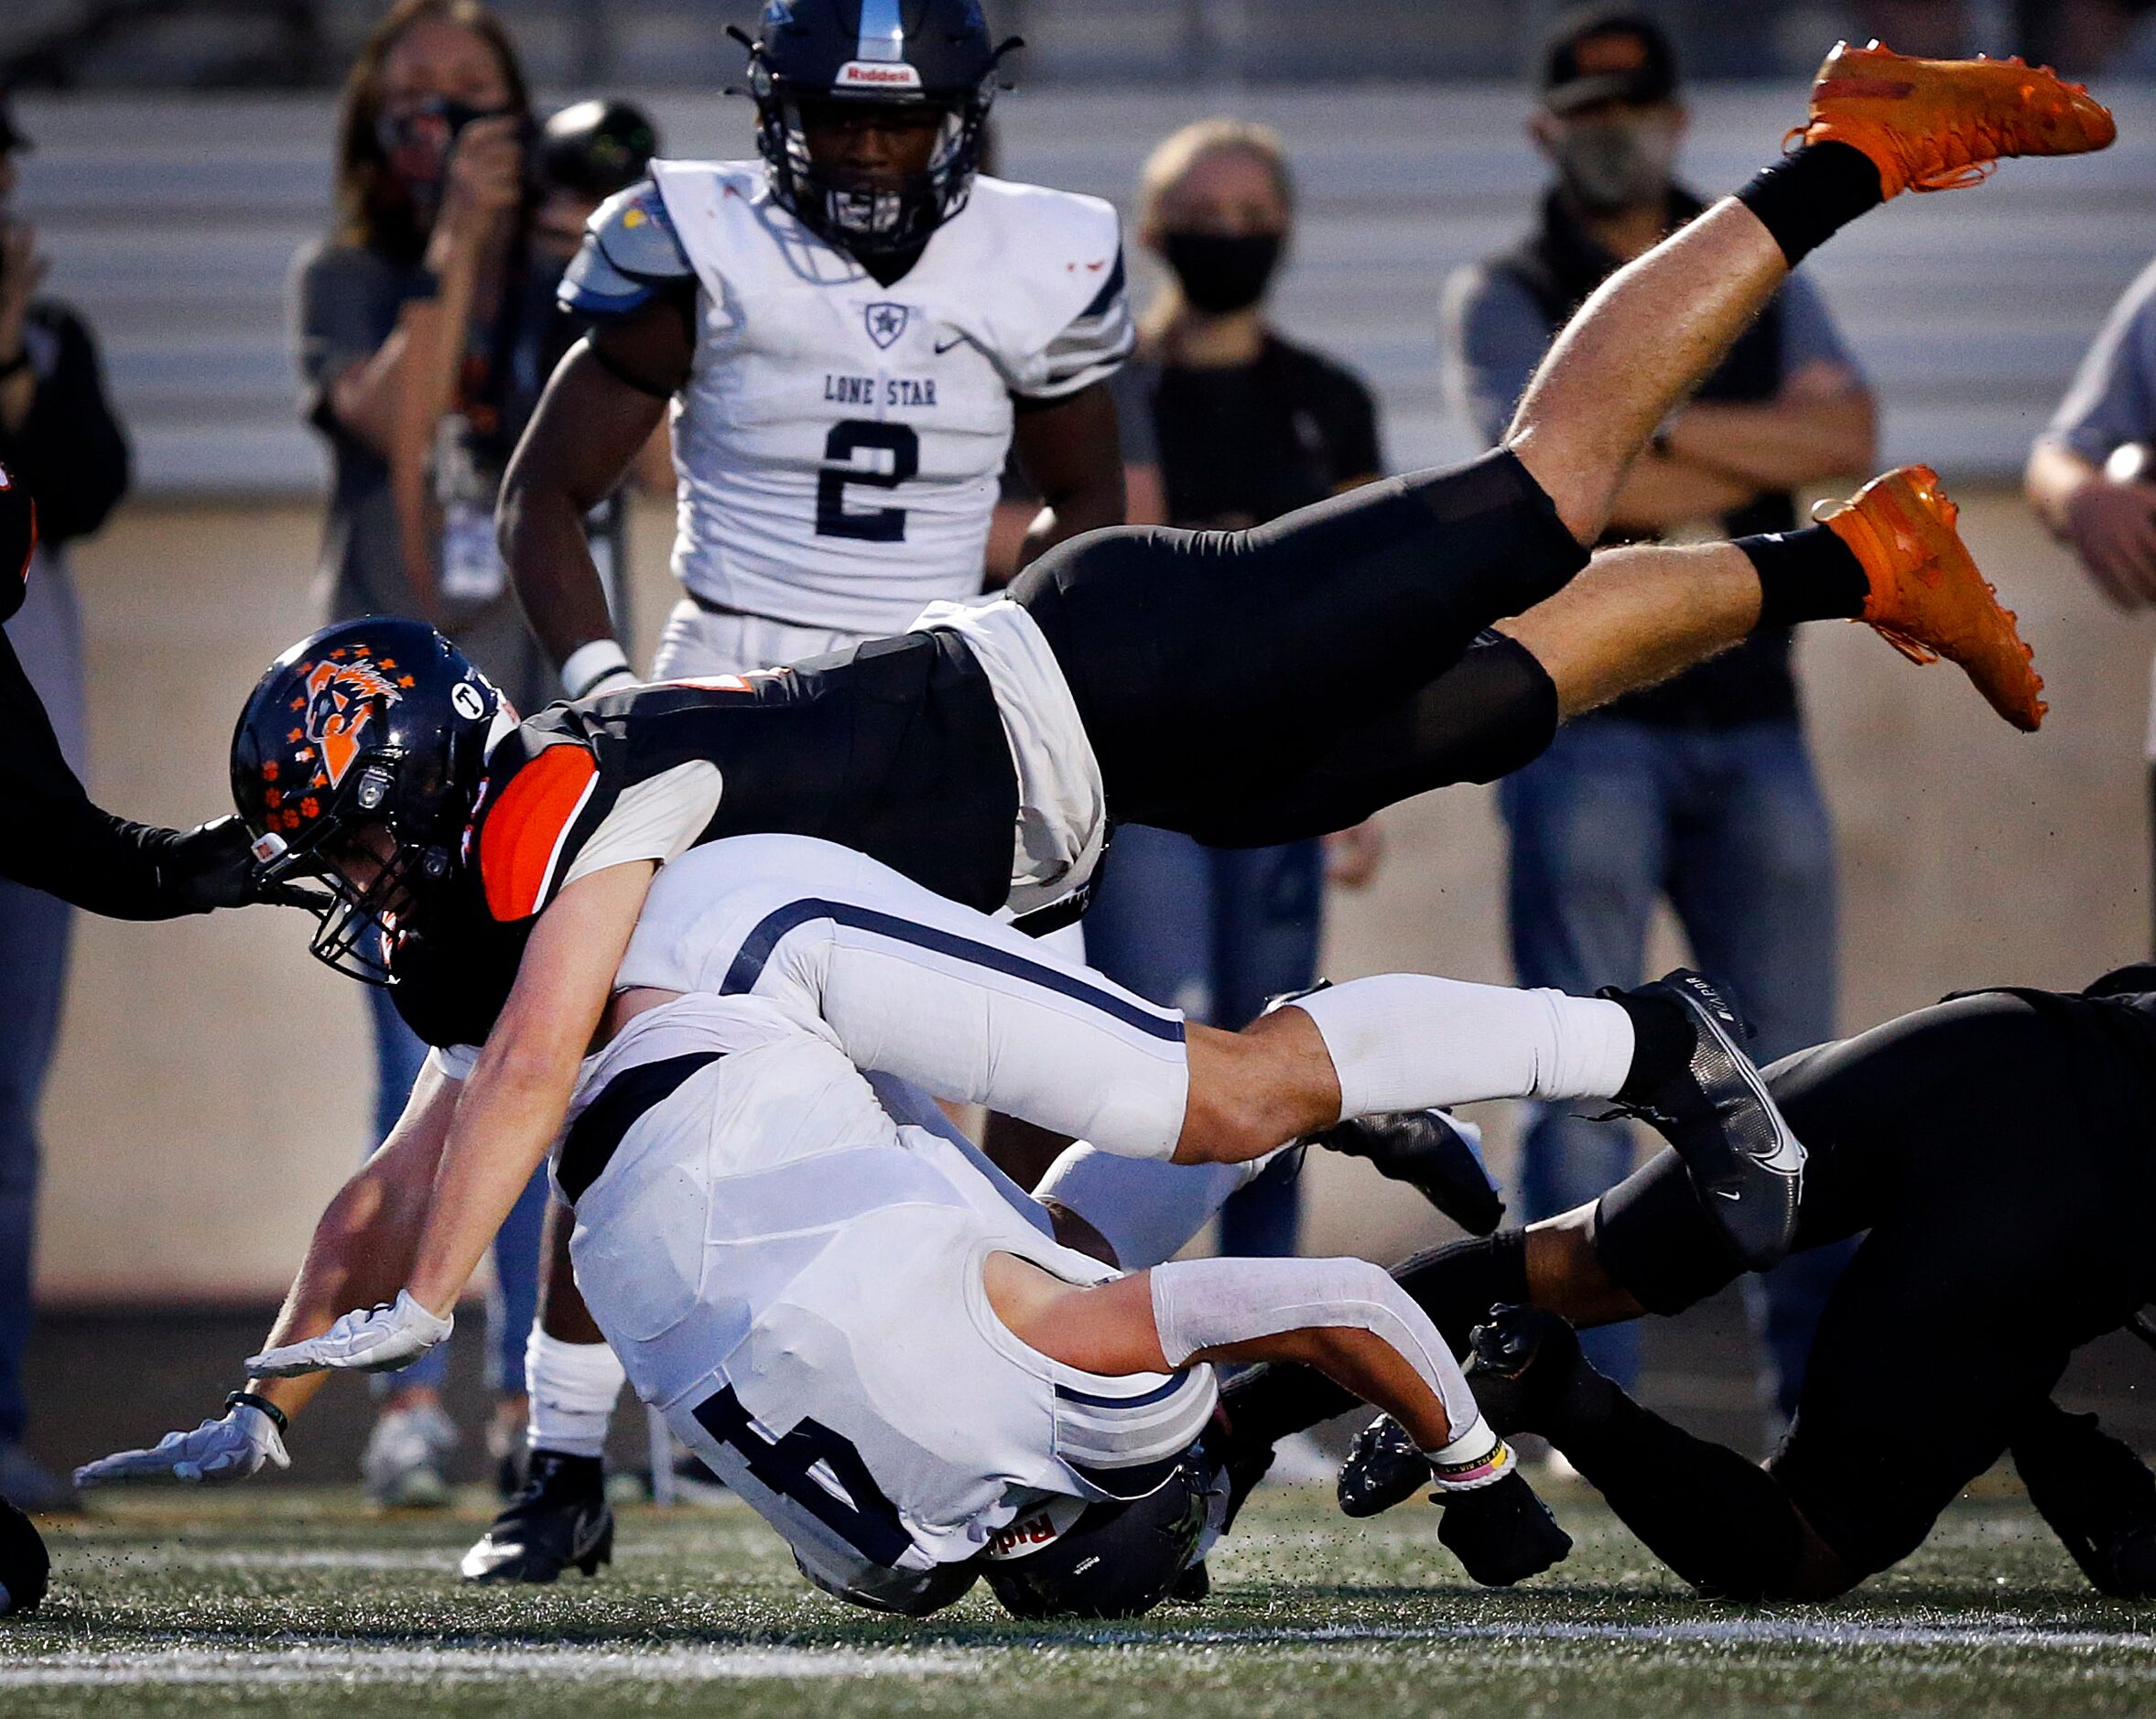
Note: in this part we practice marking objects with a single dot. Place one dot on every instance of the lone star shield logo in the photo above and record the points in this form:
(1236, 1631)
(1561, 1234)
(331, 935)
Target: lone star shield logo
(886, 322)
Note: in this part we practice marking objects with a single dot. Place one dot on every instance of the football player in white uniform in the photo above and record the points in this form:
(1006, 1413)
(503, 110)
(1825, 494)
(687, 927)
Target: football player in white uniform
(873, 1336)
(854, 332)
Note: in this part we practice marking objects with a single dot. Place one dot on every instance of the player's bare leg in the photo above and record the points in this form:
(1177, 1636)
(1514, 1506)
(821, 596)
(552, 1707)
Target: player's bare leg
(1890, 556)
(1636, 348)
(1879, 124)
(1638, 616)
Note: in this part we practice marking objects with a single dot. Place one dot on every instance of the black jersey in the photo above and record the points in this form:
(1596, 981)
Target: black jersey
(895, 749)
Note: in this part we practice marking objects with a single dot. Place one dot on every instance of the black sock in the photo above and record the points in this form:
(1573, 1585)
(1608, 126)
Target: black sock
(1809, 574)
(1804, 198)
(1722, 1523)
(1456, 1285)
(1662, 1039)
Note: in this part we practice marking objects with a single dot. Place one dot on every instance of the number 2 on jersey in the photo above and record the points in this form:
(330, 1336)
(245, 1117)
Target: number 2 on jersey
(864, 1518)
(851, 437)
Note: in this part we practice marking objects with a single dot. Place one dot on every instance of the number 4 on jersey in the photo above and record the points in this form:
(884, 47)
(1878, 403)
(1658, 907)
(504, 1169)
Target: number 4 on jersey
(855, 436)
(858, 1511)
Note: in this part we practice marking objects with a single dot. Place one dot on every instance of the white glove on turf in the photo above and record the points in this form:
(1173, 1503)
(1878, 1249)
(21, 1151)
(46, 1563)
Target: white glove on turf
(230, 1449)
(380, 1339)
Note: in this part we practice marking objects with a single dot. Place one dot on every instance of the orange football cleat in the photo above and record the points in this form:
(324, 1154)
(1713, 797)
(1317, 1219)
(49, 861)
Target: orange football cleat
(1938, 124)
(1927, 599)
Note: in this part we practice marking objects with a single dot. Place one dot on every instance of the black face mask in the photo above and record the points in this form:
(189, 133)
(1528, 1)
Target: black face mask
(1220, 273)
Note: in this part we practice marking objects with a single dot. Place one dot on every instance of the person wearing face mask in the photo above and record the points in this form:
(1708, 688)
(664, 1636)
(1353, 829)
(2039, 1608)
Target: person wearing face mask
(1700, 790)
(427, 329)
(1226, 425)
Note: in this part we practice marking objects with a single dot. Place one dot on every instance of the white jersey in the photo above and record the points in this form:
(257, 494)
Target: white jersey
(793, 1279)
(839, 443)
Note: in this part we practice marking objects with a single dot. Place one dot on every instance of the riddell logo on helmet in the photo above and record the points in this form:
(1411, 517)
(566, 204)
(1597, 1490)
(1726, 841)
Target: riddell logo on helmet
(1022, 1536)
(340, 703)
(869, 74)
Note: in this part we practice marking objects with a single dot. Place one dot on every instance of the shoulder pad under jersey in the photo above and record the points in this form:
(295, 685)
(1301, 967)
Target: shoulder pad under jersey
(630, 252)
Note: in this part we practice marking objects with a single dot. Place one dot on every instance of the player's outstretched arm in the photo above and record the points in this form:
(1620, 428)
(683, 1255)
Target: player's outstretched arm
(597, 414)
(511, 1110)
(1344, 1318)
(361, 1251)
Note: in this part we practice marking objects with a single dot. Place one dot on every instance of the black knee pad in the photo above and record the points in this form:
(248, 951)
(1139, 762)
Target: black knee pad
(1656, 1243)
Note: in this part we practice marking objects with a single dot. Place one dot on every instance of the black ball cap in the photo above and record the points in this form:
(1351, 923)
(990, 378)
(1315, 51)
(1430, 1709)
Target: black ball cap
(18, 536)
(1607, 54)
(25, 1565)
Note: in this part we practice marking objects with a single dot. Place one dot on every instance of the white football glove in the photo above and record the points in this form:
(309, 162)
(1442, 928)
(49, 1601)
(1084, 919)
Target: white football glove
(379, 1340)
(230, 1449)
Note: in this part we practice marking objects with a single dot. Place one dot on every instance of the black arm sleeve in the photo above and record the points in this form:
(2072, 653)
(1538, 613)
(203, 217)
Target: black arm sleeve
(51, 837)
(71, 449)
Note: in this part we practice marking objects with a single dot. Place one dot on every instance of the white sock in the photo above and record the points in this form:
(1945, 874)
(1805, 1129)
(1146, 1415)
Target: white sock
(573, 1387)
(1408, 1041)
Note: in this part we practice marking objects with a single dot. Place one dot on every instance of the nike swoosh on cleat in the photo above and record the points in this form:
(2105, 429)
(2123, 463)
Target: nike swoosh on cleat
(1726, 1194)
(1788, 1157)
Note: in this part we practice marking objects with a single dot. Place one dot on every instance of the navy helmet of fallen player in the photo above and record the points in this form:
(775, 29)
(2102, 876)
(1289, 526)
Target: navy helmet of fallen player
(813, 58)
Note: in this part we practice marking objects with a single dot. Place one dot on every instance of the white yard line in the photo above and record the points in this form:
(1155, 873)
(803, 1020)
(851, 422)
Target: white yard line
(358, 1664)
(1975, 1631)
(348, 1662)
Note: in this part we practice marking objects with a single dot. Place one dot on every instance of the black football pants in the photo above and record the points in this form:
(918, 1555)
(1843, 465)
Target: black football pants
(1259, 686)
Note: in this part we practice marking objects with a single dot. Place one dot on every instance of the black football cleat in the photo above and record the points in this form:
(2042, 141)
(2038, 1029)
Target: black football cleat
(1716, 1112)
(1193, 1586)
(25, 1566)
(1525, 1367)
(560, 1520)
(1384, 1468)
(1431, 1152)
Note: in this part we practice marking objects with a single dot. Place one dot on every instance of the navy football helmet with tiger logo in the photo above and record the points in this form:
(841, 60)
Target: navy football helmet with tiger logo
(368, 726)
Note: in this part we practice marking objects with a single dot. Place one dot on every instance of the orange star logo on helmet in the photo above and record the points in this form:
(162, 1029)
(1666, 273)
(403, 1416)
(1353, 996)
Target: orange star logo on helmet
(341, 699)
(270, 771)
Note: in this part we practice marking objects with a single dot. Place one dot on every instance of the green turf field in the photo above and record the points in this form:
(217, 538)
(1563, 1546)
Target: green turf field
(296, 1603)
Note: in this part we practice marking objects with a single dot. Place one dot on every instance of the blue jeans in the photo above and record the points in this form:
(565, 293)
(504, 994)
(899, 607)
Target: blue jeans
(1729, 826)
(513, 1303)
(1214, 932)
(34, 929)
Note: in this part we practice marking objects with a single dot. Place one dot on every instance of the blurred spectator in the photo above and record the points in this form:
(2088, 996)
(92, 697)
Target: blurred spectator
(1226, 425)
(2077, 36)
(2092, 475)
(1701, 791)
(427, 329)
(58, 437)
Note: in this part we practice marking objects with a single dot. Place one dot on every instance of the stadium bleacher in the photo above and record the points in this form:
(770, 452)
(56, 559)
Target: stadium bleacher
(171, 222)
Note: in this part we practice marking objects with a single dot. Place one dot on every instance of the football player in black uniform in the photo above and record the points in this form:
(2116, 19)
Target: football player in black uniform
(53, 838)
(2000, 1150)
(1244, 687)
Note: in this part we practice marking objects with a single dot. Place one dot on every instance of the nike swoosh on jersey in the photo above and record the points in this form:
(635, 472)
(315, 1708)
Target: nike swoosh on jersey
(943, 346)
